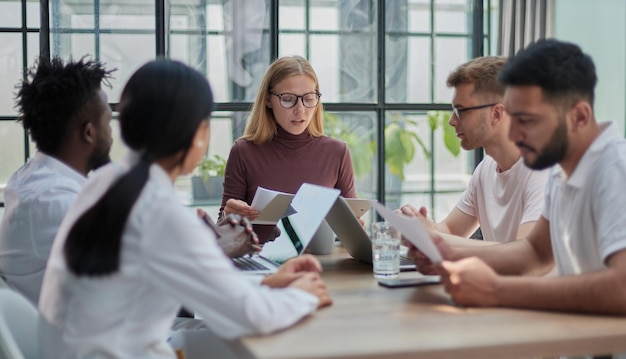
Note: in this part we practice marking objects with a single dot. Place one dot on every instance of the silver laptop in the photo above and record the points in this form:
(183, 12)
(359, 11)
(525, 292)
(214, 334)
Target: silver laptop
(355, 240)
(359, 206)
(311, 204)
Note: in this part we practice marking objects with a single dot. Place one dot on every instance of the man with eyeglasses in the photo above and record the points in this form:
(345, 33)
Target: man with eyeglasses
(504, 197)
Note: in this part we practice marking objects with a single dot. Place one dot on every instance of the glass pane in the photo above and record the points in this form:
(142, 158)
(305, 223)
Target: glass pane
(10, 71)
(225, 127)
(452, 16)
(291, 15)
(358, 130)
(124, 50)
(419, 15)
(126, 53)
(323, 17)
(225, 41)
(408, 178)
(124, 17)
(11, 13)
(33, 16)
(209, 59)
(415, 77)
(357, 68)
(407, 164)
(449, 53)
(11, 149)
(32, 48)
(292, 44)
(326, 62)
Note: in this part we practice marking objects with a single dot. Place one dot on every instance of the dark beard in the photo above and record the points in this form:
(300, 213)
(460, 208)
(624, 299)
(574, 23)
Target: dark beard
(98, 160)
(555, 150)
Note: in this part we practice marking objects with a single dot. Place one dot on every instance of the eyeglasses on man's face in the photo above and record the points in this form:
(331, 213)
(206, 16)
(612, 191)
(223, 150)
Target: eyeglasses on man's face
(457, 112)
(289, 100)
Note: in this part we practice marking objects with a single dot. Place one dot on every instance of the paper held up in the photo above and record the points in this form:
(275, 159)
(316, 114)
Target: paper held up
(412, 230)
(272, 205)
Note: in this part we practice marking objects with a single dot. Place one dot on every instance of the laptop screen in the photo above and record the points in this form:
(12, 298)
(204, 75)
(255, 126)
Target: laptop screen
(311, 204)
(291, 233)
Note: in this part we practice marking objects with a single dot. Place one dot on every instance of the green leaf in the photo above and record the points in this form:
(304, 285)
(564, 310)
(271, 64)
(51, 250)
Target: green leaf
(452, 143)
(433, 119)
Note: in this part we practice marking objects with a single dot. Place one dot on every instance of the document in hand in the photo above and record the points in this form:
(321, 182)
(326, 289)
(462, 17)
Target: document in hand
(272, 205)
(412, 230)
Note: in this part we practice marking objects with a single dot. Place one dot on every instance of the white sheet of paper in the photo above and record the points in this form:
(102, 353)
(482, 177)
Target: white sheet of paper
(272, 205)
(411, 229)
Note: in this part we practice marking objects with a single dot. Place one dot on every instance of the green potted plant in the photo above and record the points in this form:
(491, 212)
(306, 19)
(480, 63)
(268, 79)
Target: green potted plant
(401, 142)
(208, 179)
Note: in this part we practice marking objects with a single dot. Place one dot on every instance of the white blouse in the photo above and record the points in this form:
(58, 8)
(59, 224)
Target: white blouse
(169, 258)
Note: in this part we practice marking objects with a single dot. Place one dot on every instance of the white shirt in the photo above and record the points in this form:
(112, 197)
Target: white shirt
(168, 258)
(37, 197)
(502, 201)
(587, 211)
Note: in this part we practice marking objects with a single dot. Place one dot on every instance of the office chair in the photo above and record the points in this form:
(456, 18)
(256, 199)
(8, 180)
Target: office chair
(18, 326)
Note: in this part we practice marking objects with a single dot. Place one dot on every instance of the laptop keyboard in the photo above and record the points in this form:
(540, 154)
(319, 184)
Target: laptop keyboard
(247, 263)
(404, 260)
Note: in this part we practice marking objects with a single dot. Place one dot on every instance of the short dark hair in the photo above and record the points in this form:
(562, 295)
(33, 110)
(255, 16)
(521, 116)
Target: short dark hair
(560, 68)
(55, 94)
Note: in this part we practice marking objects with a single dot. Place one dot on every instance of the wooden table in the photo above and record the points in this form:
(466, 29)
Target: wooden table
(370, 321)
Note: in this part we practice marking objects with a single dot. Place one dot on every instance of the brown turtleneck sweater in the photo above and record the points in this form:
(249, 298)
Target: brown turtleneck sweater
(286, 162)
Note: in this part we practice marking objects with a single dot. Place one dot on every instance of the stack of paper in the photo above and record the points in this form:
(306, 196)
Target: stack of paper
(272, 205)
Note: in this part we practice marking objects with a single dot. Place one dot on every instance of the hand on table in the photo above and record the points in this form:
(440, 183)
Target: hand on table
(313, 284)
(292, 270)
(301, 272)
(470, 282)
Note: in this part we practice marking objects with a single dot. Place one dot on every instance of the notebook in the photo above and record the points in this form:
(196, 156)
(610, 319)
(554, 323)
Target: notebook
(311, 204)
(355, 240)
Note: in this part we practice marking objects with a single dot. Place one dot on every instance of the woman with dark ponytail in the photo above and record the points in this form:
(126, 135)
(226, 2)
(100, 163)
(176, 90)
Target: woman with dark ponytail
(128, 254)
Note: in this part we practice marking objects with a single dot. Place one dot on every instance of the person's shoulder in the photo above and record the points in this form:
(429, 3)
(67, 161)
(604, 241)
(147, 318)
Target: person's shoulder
(487, 165)
(43, 182)
(242, 144)
(331, 143)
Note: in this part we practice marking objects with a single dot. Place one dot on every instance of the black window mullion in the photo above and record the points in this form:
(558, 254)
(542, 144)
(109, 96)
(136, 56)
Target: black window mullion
(380, 108)
(160, 27)
(273, 30)
(478, 49)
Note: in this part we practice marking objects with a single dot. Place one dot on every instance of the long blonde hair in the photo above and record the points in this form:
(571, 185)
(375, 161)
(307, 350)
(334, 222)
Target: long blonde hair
(261, 125)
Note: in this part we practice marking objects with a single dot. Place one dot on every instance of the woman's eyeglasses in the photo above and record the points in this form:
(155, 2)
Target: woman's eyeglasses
(289, 100)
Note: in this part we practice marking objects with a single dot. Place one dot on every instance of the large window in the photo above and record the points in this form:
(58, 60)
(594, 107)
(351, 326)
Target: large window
(382, 67)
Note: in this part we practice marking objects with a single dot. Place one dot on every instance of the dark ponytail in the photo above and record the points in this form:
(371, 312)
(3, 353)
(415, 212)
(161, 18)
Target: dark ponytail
(91, 247)
(161, 108)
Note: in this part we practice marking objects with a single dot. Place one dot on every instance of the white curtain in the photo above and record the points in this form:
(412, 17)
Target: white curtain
(522, 22)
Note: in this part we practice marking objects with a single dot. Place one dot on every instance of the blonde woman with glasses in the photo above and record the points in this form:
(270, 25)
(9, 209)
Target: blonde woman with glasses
(284, 143)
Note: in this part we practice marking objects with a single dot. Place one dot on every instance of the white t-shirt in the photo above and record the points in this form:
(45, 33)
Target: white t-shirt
(168, 258)
(503, 201)
(587, 211)
(37, 197)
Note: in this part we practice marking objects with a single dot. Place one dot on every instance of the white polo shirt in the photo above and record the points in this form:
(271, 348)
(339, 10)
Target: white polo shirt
(37, 197)
(502, 201)
(587, 212)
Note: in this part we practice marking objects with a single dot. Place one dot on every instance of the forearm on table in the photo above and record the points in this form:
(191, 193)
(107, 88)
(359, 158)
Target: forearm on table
(510, 258)
(601, 292)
